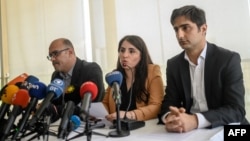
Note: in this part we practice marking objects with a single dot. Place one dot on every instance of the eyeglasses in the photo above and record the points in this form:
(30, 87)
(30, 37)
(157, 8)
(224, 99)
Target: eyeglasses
(55, 53)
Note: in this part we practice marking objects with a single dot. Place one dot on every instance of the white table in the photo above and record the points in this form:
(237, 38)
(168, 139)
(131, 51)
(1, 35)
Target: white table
(151, 132)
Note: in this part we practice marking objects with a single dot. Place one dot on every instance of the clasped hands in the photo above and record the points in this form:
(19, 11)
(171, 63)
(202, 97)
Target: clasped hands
(179, 121)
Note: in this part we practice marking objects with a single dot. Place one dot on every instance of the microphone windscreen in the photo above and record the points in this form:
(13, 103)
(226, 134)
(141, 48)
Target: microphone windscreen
(8, 93)
(56, 87)
(38, 90)
(18, 79)
(27, 84)
(114, 76)
(21, 98)
(89, 87)
(31, 79)
(76, 121)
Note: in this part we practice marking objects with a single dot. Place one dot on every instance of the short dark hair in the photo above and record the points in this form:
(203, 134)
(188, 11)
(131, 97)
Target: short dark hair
(195, 14)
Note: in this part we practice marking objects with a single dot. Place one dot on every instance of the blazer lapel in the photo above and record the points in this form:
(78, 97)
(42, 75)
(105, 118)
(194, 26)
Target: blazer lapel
(76, 72)
(186, 82)
(209, 63)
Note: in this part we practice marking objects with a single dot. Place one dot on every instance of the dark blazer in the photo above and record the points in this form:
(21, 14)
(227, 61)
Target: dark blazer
(83, 71)
(224, 88)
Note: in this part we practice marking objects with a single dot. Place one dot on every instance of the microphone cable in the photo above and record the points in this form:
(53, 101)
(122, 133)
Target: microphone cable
(130, 96)
(126, 123)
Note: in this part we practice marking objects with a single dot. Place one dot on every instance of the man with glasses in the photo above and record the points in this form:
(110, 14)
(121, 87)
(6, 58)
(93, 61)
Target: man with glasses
(73, 71)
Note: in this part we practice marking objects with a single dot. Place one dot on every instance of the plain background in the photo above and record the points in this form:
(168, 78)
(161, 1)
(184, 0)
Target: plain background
(96, 26)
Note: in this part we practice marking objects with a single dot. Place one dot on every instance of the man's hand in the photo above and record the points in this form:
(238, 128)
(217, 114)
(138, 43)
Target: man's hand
(179, 121)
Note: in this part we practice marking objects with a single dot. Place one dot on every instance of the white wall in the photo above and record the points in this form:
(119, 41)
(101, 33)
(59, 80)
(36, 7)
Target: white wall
(32, 25)
(228, 24)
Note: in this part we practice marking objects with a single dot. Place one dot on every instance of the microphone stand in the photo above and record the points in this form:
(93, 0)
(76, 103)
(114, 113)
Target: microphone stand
(41, 128)
(21, 126)
(88, 131)
(118, 132)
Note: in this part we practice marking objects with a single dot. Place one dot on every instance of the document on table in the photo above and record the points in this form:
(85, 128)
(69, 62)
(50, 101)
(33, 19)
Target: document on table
(98, 111)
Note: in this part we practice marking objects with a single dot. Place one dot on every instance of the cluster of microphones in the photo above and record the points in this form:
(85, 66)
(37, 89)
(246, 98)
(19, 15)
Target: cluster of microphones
(20, 116)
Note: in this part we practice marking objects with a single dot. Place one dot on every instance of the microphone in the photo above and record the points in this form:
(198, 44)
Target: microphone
(75, 122)
(114, 80)
(15, 81)
(8, 93)
(88, 93)
(130, 124)
(20, 101)
(54, 90)
(22, 91)
(27, 83)
(37, 91)
(64, 124)
(19, 79)
(5, 106)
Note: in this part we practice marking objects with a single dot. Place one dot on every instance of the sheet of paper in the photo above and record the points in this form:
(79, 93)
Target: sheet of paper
(98, 110)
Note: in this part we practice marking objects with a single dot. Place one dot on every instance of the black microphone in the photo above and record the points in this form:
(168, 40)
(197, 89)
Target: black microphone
(130, 124)
(65, 121)
(4, 108)
(114, 80)
(73, 124)
(37, 91)
(54, 90)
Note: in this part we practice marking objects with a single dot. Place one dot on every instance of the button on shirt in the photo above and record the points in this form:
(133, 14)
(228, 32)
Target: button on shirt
(197, 84)
(198, 88)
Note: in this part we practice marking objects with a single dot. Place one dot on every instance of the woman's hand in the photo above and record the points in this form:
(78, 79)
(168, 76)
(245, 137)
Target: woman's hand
(112, 116)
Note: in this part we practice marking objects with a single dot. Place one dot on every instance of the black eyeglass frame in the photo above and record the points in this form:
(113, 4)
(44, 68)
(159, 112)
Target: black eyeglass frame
(55, 53)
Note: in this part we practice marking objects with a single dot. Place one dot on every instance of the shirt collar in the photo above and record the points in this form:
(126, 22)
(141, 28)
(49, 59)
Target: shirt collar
(202, 55)
(68, 74)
